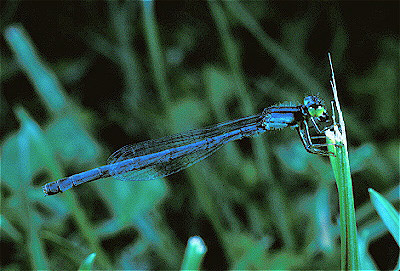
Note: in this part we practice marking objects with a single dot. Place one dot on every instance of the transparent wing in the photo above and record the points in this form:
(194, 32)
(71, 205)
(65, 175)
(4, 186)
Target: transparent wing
(163, 167)
(164, 156)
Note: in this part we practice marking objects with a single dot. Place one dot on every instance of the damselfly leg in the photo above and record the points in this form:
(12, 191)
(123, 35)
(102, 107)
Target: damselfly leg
(309, 145)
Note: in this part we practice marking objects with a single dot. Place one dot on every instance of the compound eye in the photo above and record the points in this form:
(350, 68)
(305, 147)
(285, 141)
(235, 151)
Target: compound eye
(316, 112)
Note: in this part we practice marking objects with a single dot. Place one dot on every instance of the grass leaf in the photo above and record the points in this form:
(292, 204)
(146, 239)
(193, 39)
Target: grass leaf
(387, 212)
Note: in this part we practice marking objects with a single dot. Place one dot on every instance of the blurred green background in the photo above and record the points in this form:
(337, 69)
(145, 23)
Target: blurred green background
(81, 79)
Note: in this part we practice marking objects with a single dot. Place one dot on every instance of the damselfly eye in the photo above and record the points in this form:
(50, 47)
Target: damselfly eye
(316, 112)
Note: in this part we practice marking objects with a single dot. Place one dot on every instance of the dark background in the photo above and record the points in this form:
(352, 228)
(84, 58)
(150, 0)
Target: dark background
(117, 92)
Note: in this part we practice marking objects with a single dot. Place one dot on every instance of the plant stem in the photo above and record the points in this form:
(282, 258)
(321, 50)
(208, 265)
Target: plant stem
(341, 169)
(195, 251)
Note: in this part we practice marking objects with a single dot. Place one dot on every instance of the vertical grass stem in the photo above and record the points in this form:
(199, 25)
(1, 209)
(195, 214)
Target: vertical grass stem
(341, 169)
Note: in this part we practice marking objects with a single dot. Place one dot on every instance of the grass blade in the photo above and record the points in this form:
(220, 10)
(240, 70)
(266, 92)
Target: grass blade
(194, 254)
(87, 263)
(341, 169)
(387, 212)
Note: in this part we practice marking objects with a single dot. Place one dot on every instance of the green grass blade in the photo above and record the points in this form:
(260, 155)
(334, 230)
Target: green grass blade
(155, 51)
(232, 56)
(9, 230)
(194, 254)
(40, 142)
(387, 212)
(87, 263)
(272, 47)
(30, 220)
(45, 81)
(341, 169)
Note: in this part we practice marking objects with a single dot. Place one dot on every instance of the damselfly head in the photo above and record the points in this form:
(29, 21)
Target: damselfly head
(316, 109)
(315, 106)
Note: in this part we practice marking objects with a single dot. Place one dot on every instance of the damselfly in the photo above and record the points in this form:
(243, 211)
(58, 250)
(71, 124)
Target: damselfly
(162, 157)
